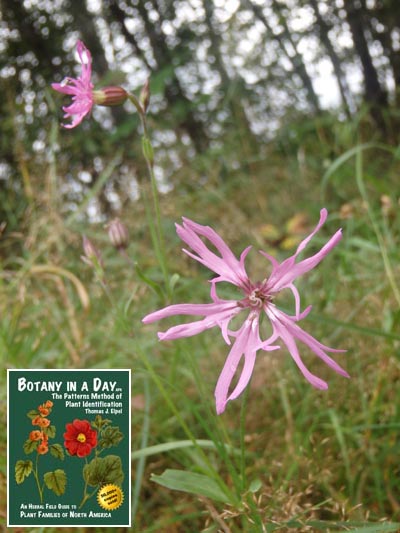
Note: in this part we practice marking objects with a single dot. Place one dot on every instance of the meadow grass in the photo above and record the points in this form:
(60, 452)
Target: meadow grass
(284, 456)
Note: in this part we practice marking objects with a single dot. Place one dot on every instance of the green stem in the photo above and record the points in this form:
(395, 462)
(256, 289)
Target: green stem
(153, 221)
(36, 474)
(243, 438)
(232, 498)
(143, 444)
(385, 257)
(86, 497)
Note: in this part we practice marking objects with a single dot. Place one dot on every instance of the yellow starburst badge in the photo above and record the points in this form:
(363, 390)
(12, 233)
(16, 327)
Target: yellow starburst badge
(110, 497)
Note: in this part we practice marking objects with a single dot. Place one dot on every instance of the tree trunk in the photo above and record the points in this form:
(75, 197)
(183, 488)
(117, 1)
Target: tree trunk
(283, 39)
(323, 30)
(388, 14)
(163, 57)
(237, 112)
(375, 96)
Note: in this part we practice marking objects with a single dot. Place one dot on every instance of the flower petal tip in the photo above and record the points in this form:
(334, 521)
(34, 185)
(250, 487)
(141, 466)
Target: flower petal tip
(220, 408)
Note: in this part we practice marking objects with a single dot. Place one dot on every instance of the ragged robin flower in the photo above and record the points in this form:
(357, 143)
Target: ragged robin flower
(81, 89)
(257, 299)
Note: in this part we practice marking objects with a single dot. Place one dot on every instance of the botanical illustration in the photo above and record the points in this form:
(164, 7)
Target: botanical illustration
(84, 439)
(39, 443)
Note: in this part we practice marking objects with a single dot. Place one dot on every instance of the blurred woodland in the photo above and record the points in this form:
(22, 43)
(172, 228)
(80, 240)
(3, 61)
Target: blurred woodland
(227, 78)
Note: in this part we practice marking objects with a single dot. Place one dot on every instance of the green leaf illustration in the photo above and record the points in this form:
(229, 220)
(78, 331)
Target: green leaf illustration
(99, 422)
(56, 481)
(57, 450)
(22, 470)
(50, 431)
(30, 446)
(32, 414)
(104, 470)
(111, 436)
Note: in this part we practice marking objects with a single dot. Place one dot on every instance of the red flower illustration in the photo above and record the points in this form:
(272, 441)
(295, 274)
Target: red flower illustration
(41, 421)
(80, 438)
(43, 448)
(44, 411)
(35, 435)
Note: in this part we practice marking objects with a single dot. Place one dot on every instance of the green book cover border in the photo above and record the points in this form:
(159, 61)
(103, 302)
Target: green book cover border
(113, 437)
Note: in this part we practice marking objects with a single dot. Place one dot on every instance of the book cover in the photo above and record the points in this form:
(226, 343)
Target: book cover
(69, 448)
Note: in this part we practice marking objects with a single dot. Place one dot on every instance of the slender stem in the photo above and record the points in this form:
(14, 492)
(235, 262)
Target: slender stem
(386, 261)
(154, 222)
(86, 497)
(185, 427)
(243, 410)
(107, 291)
(143, 443)
(36, 474)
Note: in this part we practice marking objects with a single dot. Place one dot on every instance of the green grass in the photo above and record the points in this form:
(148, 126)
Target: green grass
(284, 456)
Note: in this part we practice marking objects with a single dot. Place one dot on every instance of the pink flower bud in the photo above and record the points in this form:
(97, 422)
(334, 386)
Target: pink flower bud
(91, 255)
(145, 95)
(109, 96)
(118, 234)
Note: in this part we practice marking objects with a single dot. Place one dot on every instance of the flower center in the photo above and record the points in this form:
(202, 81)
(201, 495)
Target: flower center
(81, 437)
(257, 298)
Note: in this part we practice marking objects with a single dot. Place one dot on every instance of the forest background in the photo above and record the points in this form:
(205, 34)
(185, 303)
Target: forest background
(261, 113)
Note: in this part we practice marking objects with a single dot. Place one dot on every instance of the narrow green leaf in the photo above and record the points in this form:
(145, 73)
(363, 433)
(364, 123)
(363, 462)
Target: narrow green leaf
(354, 527)
(378, 528)
(191, 482)
(175, 445)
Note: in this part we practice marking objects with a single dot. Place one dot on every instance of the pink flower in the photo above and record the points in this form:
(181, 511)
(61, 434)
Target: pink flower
(81, 89)
(257, 299)
(83, 95)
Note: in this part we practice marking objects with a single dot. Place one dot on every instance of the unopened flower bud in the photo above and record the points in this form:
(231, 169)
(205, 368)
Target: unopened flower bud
(118, 234)
(145, 95)
(109, 96)
(346, 211)
(91, 255)
(386, 204)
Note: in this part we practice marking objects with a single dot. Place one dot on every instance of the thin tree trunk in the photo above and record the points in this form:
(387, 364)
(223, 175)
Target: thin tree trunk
(324, 28)
(388, 14)
(374, 94)
(163, 57)
(234, 102)
(293, 56)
